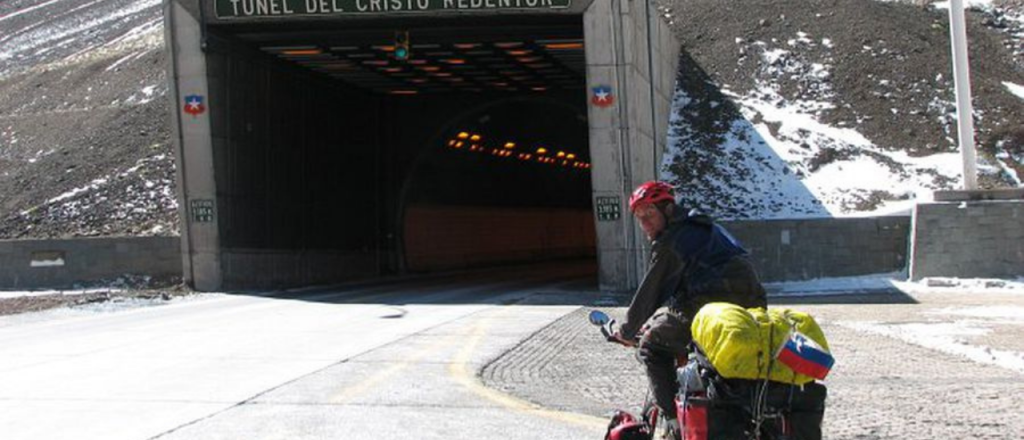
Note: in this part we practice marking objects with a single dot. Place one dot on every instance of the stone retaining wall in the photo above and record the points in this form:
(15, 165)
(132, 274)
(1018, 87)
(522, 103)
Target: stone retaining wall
(27, 264)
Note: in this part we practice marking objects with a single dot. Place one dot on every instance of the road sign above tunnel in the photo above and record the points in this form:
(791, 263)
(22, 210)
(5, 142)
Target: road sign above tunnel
(241, 9)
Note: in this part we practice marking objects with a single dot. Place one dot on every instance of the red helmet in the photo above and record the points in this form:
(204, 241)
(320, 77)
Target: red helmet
(651, 192)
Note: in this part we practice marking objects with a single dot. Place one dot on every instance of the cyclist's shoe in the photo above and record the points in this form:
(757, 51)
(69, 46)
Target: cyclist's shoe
(668, 429)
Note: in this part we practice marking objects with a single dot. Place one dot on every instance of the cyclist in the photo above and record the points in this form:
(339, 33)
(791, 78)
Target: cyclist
(694, 261)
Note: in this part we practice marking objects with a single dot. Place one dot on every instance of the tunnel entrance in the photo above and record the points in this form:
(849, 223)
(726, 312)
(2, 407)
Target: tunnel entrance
(398, 146)
(318, 139)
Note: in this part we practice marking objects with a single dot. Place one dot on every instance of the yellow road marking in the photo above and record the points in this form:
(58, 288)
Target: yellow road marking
(462, 373)
(353, 391)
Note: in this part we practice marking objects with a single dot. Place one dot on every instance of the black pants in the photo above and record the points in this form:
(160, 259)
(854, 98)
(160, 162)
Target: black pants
(667, 338)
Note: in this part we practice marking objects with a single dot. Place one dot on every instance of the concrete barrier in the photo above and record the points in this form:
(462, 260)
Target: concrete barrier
(793, 250)
(975, 239)
(27, 264)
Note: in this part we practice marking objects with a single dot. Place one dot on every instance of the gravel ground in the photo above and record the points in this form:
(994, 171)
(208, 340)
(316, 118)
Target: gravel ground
(883, 386)
(113, 298)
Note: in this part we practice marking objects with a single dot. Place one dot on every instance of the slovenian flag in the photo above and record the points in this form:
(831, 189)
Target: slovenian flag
(805, 356)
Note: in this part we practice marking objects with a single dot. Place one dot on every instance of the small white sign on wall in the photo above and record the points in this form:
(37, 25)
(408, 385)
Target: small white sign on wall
(47, 259)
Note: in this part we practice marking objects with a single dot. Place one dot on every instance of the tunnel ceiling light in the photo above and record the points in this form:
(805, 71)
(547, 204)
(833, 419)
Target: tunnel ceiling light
(560, 154)
(462, 135)
(284, 48)
(475, 138)
(570, 156)
(466, 45)
(391, 69)
(508, 44)
(384, 48)
(302, 52)
(510, 145)
(564, 46)
(454, 61)
(528, 59)
(429, 68)
(519, 52)
(542, 150)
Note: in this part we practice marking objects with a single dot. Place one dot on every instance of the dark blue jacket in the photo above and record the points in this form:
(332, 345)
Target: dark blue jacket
(694, 261)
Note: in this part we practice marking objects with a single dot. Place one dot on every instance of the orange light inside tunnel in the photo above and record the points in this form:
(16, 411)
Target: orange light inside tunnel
(462, 135)
(561, 154)
(570, 156)
(510, 145)
(466, 45)
(429, 68)
(519, 52)
(542, 150)
(563, 46)
(455, 61)
(474, 138)
(302, 52)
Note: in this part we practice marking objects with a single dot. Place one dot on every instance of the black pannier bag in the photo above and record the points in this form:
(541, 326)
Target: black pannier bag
(714, 408)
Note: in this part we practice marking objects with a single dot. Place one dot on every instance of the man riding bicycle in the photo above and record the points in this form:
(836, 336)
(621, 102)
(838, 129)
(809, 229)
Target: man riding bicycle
(694, 261)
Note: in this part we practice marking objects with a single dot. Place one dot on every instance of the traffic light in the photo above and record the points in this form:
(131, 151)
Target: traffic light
(402, 51)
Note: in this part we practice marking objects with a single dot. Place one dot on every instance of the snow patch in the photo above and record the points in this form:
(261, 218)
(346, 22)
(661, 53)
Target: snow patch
(1016, 89)
(946, 337)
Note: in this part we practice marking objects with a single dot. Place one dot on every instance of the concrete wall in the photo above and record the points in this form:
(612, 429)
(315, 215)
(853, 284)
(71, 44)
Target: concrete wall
(791, 250)
(981, 239)
(63, 263)
(631, 50)
(457, 237)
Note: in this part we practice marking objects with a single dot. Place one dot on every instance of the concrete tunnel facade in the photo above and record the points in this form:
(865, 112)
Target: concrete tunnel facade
(310, 152)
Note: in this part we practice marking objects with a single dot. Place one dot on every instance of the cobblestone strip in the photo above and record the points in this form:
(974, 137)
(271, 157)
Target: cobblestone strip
(881, 387)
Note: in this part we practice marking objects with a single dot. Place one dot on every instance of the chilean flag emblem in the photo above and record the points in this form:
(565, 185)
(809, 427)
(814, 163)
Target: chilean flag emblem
(602, 96)
(805, 356)
(194, 105)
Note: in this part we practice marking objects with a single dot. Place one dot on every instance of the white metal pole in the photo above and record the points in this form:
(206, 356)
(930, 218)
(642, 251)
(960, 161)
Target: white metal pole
(962, 84)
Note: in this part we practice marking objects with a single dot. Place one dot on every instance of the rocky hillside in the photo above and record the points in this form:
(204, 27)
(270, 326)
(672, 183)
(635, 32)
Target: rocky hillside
(84, 124)
(796, 108)
(778, 101)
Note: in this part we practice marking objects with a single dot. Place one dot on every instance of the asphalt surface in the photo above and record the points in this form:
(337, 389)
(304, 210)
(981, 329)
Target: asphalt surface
(506, 355)
(383, 360)
(909, 366)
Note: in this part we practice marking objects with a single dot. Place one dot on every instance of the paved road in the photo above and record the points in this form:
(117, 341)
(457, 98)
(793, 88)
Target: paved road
(378, 361)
